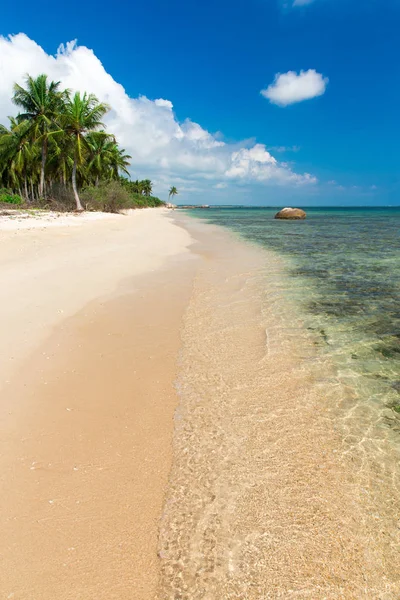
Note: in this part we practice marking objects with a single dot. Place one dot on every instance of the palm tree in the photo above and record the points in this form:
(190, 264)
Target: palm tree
(118, 161)
(59, 138)
(98, 158)
(172, 192)
(83, 115)
(106, 159)
(42, 103)
(18, 156)
(137, 186)
(147, 187)
(60, 158)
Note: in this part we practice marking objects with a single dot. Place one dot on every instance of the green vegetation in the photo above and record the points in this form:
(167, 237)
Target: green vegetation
(113, 196)
(172, 192)
(56, 153)
(7, 198)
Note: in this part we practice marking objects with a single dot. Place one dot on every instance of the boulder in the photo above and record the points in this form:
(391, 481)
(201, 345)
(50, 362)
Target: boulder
(291, 213)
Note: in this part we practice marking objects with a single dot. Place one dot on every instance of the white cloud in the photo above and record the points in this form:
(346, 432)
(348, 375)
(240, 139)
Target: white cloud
(258, 164)
(161, 147)
(285, 148)
(165, 103)
(290, 87)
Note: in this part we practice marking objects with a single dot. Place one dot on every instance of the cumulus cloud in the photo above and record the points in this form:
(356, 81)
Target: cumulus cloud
(291, 87)
(258, 164)
(161, 147)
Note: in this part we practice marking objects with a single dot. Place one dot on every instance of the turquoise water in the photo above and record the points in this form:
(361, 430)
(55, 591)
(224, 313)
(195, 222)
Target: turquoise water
(343, 271)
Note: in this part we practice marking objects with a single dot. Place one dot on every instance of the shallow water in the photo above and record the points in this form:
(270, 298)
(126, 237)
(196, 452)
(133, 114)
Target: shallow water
(285, 482)
(342, 270)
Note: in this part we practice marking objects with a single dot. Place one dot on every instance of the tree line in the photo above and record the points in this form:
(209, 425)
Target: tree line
(58, 139)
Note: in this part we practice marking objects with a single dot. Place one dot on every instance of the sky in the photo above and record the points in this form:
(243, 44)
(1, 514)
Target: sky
(263, 102)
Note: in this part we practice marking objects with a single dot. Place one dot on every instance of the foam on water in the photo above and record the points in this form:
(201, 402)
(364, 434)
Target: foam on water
(285, 479)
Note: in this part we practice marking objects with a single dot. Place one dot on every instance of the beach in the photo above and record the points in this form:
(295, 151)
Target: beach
(90, 335)
(171, 428)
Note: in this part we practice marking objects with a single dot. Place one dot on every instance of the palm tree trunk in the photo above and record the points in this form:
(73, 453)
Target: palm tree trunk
(42, 168)
(26, 190)
(77, 199)
(33, 191)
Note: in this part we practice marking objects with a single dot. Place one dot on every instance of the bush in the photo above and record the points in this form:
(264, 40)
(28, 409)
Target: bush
(7, 197)
(107, 197)
(113, 197)
(59, 197)
(147, 201)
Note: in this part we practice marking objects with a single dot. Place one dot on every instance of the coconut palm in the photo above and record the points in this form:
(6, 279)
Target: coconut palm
(106, 160)
(98, 157)
(118, 161)
(42, 102)
(137, 186)
(83, 114)
(60, 159)
(147, 187)
(172, 192)
(18, 156)
(58, 144)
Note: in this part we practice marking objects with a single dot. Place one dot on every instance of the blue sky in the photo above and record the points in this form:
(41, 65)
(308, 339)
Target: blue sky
(212, 59)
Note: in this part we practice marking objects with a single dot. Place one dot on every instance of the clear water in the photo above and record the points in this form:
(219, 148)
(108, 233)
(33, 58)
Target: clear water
(286, 481)
(343, 270)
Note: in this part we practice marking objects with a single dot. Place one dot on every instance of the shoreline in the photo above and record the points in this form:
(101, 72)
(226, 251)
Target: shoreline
(172, 387)
(266, 498)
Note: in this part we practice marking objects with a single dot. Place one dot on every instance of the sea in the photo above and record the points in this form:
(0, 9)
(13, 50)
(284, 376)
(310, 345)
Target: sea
(342, 268)
(286, 476)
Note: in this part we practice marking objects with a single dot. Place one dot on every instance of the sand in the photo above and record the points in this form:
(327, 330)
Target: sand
(15, 220)
(90, 326)
(169, 429)
(48, 274)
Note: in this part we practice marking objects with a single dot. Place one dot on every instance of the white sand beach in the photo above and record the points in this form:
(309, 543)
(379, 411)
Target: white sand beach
(166, 433)
(90, 333)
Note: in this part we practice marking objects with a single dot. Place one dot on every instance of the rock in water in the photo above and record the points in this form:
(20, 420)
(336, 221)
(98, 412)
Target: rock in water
(291, 213)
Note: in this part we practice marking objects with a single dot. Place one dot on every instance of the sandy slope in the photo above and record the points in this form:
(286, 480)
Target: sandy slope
(90, 319)
(49, 274)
